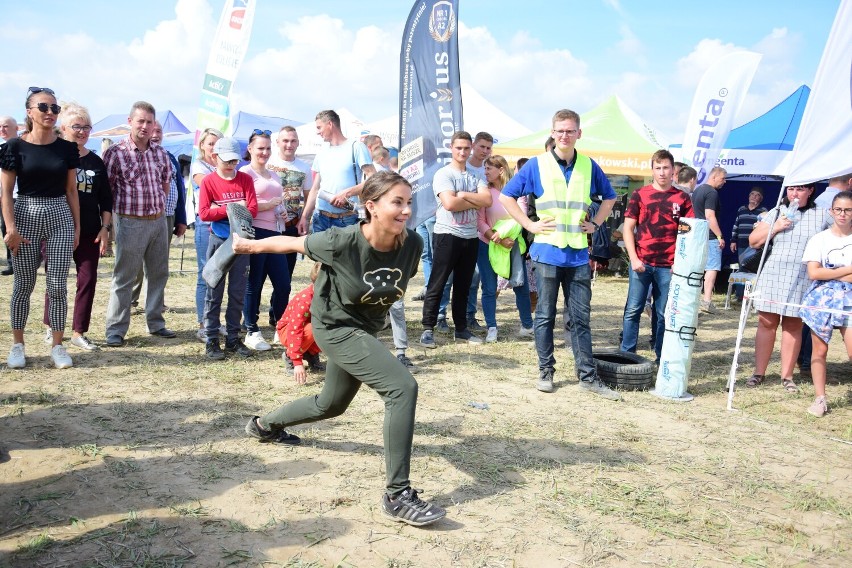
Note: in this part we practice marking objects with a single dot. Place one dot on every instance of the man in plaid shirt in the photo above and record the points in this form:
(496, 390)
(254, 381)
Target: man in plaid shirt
(140, 175)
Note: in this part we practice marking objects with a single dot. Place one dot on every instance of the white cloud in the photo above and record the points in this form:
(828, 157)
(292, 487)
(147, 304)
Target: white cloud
(163, 66)
(319, 62)
(630, 46)
(529, 83)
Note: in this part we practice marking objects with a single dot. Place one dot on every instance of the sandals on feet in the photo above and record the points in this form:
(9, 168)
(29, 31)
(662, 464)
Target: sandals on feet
(789, 386)
(754, 381)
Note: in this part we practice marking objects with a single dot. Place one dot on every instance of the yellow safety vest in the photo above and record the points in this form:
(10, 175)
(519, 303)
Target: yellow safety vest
(566, 203)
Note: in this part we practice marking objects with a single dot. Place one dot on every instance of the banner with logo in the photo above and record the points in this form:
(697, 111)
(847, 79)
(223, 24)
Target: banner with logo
(825, 134)
(430, 103)
(718, 98)
(226, 56)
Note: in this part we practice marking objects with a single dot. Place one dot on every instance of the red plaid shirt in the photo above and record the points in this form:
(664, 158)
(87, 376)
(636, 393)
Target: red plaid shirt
(137, 178)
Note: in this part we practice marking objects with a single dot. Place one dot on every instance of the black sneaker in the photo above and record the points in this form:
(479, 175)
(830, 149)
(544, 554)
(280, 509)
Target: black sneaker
(473, 324)
(545, 380)
(466, 335)
(213, 351)
(238, 347)
(407, 507)
(254, 430)
(407, 363)
(442, 326)
(314, 363)
(600, 389)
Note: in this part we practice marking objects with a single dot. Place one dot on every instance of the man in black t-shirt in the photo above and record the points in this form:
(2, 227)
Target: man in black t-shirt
(705, 203)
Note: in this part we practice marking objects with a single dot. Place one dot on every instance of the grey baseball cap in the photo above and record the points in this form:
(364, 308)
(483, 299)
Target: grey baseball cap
(227, 148)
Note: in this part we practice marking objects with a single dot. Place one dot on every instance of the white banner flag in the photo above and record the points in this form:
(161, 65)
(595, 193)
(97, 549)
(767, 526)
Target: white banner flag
(226, 56)
(822, 147)
(717, 100)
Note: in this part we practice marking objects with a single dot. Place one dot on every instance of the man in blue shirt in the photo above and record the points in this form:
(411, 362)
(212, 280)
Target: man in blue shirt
(563, 183)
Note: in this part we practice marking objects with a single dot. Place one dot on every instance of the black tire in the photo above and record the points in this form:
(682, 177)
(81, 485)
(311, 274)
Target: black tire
(624, 370)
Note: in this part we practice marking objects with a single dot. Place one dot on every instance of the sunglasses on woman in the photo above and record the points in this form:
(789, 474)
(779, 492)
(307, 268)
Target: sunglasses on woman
(44, 107)
(36, 90)
(259, 132)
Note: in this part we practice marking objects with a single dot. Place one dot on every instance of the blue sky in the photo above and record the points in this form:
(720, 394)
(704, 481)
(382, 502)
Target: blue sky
(528, 58)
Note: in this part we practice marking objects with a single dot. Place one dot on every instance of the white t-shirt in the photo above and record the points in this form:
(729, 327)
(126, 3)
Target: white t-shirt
(462, 224)
(829, 250)
(203, 168)
(337, 167)
(296, 179)
(477, 171)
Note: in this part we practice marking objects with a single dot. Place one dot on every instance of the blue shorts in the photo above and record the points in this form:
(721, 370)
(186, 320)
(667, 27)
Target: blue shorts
(714, 255)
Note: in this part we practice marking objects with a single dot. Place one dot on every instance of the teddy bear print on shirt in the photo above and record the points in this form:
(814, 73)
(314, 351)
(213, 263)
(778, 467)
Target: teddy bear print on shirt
(383, 286)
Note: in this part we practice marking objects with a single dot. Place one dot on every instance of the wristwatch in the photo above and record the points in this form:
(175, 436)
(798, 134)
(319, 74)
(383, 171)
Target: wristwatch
(108, 226)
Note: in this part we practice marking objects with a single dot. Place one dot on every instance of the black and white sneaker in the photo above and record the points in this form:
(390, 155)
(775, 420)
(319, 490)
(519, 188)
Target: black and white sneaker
(254, 430)
(407, 507)
(238, 347)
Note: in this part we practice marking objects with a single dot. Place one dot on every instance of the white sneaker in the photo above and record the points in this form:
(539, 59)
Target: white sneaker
(17, 359)
(526, 331)
(275, 339)
(48, 336)
(491, 336)
(254, 340)
(83, 342)
(61, 359)
(201, 335)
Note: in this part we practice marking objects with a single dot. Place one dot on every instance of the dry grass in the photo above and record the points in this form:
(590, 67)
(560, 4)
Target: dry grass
(136, 457)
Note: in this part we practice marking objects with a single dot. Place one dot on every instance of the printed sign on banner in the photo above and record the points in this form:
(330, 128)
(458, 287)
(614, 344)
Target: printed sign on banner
(718, 98)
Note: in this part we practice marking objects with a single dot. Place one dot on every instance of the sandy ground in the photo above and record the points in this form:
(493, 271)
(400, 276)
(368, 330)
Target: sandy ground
(137, 457)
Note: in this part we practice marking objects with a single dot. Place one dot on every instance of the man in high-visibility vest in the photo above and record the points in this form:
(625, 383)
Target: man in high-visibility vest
(563, 182)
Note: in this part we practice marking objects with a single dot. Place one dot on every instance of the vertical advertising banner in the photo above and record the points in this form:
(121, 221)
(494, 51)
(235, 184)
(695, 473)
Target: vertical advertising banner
(825, 134)
(718, 98)
(430, 104)
(226, 55)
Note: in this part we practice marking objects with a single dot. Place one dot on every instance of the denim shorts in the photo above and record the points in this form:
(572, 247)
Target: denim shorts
(714, 255)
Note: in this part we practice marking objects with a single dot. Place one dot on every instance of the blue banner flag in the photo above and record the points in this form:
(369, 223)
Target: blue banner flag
(430, 103)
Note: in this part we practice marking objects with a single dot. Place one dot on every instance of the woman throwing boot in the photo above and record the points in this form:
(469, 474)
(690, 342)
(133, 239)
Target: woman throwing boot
(365, 269)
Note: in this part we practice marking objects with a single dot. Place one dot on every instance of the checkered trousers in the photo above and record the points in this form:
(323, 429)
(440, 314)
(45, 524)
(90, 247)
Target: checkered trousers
(40, 219)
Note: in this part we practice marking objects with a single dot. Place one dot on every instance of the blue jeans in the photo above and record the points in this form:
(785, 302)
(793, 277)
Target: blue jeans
(262, 265)
(236, 278)
(576, 284)
(291, 266)
(320, 222)
(658, 279)
(424, 229)
(202, 238)
(489, 292)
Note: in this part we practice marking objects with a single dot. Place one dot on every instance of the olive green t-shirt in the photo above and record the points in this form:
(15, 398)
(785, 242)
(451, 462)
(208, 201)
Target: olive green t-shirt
(357, 284)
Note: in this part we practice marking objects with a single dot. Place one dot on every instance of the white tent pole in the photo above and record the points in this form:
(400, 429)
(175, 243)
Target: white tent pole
(746, 306)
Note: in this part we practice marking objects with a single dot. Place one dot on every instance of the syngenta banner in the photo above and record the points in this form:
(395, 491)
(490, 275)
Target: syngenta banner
(226, 56)
(430, 104)
(717, 100)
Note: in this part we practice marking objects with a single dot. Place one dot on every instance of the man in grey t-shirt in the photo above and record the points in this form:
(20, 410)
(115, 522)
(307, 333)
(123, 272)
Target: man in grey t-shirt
(455, 243)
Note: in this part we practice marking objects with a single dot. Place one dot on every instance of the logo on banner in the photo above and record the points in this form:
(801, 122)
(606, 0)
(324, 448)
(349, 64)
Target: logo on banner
(238, 14)
(442, 94)
(442, 21)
